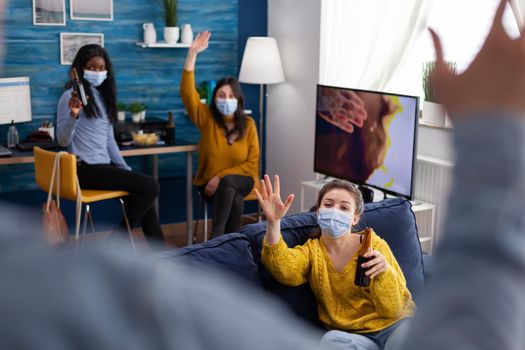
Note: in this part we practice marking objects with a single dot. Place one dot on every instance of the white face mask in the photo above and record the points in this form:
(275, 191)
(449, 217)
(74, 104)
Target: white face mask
(333, 222)
(227, 106)
(95, 78)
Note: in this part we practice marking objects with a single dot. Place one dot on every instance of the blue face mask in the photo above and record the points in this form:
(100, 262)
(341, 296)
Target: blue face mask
(95, 78)
(333, 222)
(226, 106)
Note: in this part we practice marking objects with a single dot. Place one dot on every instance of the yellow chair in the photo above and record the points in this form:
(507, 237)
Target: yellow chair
(70, 188)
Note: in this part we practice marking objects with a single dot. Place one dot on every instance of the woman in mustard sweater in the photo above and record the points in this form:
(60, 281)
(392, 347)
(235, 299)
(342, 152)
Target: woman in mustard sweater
(229, 147)
(370, 318)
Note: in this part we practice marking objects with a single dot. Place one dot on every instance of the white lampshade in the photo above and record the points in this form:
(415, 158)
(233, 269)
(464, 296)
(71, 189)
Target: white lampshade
(261, 63)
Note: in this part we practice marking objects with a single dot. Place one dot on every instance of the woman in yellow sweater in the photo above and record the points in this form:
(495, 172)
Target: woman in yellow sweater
(372, 317)
(229, 147)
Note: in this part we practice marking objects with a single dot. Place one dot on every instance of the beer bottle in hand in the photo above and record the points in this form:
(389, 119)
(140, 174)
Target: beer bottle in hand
(361, 279)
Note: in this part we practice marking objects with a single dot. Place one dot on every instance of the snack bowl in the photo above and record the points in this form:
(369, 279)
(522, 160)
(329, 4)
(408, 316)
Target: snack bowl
(145, 139)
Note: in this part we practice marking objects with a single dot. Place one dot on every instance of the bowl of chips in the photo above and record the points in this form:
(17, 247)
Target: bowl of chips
(145, 139)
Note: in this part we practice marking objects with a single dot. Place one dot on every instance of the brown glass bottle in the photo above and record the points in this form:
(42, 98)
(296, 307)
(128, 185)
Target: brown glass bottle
(78, 87)
(170, 130)
(361, 279)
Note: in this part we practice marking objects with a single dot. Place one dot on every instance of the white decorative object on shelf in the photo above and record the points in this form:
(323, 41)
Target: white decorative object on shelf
(186, 36)
(434, 113)
(171, 34)
(50, 131)
(150, 35)
(162, 45)
(136, 117)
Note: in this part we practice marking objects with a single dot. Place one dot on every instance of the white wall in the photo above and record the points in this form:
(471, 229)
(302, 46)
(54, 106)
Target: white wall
(291, 105)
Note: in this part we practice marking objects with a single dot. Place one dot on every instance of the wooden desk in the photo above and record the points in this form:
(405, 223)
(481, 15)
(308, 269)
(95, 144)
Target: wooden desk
(24, 157)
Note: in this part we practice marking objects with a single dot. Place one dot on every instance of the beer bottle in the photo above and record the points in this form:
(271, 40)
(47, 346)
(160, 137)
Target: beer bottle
(361, 279)
(170, 130)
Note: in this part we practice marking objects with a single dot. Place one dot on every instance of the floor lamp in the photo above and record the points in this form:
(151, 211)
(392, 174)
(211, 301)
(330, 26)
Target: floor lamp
(261, 64)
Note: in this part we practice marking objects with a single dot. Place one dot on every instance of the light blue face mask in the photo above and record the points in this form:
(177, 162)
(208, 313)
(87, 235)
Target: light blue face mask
(95, 78)
(227, 106)
(333, 222)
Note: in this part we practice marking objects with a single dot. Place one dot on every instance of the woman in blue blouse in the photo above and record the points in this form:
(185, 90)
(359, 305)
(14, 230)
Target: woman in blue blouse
(87, 131)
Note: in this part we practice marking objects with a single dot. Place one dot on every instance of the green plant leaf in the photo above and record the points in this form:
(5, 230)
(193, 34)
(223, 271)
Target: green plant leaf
(136, 107)
(170, 12)
(428, 67)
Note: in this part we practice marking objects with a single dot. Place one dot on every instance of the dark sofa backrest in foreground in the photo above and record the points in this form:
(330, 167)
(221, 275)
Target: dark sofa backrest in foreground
(240, 253)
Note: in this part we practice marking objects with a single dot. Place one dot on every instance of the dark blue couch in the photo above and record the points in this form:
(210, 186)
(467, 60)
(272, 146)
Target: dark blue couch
(239, 253)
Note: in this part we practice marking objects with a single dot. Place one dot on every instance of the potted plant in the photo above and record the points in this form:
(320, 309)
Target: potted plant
(171, 31)
(137, 110)
(434, 113)
(121, 111)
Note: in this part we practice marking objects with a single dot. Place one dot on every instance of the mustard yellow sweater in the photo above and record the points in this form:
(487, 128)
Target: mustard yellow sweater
(341, 304)
(216, 156)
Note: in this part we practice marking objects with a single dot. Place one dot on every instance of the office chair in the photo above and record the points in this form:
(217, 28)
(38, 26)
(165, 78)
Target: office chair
(70, 188)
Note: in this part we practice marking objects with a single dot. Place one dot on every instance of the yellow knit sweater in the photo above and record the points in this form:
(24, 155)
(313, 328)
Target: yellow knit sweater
(216, 156)
(341, 304)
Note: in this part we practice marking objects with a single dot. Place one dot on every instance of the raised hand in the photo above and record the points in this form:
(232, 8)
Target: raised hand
(197, 46)
(201, 42)
(494, 79)
(270, 199)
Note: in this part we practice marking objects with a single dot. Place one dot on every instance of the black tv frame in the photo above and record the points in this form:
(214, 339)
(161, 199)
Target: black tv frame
(414, 155)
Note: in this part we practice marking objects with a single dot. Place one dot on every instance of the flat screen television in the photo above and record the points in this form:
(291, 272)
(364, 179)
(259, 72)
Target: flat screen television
(367, 137)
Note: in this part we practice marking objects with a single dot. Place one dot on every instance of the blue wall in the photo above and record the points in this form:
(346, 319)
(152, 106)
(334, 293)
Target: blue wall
(150, 76)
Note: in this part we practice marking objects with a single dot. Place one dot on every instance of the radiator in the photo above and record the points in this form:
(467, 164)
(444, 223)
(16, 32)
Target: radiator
(432, 183)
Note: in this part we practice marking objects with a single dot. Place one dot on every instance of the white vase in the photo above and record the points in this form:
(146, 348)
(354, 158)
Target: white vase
(121, 116)
(135, 117)
(434, 114)
(171, 34)
(186, 36)
(143, 115)
(150, 35)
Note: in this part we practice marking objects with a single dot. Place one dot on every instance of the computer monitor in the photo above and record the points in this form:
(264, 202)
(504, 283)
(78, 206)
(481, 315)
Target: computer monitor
(15, 100)
(367, 137)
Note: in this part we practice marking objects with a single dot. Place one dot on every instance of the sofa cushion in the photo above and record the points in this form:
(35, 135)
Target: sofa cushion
(295, 230)
(391, 219)
(394, 221)
(230, 253)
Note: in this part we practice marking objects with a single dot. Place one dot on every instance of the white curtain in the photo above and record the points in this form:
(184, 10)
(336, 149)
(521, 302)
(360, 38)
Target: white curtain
(364, 42)
(518, 8)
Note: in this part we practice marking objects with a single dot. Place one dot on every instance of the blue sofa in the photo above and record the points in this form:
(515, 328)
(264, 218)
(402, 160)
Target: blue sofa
(240, 253)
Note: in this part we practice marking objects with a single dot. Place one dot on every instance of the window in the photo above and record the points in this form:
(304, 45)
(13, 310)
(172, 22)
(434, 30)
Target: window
(462, 27)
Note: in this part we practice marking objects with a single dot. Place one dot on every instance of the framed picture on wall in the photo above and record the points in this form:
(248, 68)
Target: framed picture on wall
(93, 10)
(49, 12)
(70, 43)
